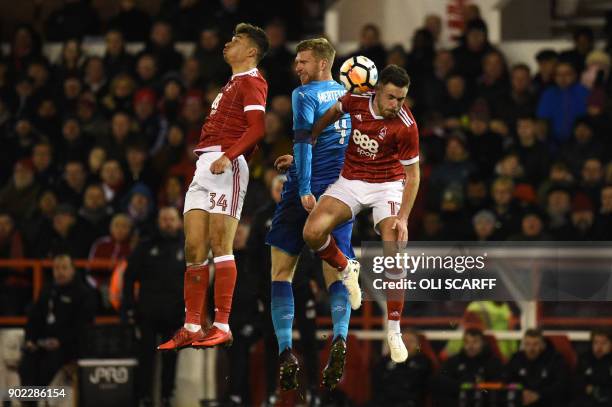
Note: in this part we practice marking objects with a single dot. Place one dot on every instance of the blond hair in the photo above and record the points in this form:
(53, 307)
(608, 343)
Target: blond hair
(320, 47)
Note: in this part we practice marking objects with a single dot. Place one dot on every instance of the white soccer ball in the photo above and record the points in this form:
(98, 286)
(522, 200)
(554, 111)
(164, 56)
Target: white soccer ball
(358, 74)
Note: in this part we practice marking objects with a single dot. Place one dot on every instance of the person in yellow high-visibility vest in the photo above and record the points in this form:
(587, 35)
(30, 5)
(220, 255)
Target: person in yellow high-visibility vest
(486, 315)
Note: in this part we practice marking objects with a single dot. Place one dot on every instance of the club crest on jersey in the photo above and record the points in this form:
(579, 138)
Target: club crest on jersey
(382, 133)
(358, 117)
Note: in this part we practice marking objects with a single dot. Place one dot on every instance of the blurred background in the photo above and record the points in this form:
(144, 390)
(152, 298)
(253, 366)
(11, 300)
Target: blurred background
(102, 101)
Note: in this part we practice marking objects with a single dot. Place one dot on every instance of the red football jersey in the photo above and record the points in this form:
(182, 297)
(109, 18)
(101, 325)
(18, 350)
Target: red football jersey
(378, 147)
(227, 120)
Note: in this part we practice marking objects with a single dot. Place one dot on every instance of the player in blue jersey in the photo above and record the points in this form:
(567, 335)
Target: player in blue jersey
(314, 168)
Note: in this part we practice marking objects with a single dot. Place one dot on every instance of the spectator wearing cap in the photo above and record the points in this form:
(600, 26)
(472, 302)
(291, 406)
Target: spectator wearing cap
(161, 46)
(116, 58)
(132, 22)
(73, 183)
(139, 206)
(485, 146)
(583, 145)
(520, 101)
(209, 54)
(532, 153)
(151, 126)
(593, 379)
(454, 170)
(547, 60)
(531, 227)
(562, 104)
(583, 217)
(65, 235)
(504, 206)
(584, 42)
(475, 45)
(19, 196)
(558, 207)
(484, 226)
(603, 223)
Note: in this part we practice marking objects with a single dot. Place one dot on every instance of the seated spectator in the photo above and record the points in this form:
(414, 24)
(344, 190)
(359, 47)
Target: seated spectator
(94, 77)
(97, 157)
(484, 226)
(370, 45)
(70, 60)
(475, 45)
(583, 217)
(485, 146)
(64, 235)
(173, 92)
(41, 219)
(138, 167)
(132, 22)
(19, 196)
(73, 145)
(147, 71)
(455, 102)
(95, 213)
(419, 61)
(540, 370)
(139, 206)
(113, 182)
(583, 145)
(591, 179)
(562, 104)
(476, 195)
(119, 97)
(187, 17)
(42, 160)
(72, 187)
(509, 166)
(454, 170)
(402, 384)
(278, 61)
(505, 207)
(474, 363)
(432, 229)
(493, 84)
(593, 379)
(532, 152)
(520, 101)
(584, 42)
(151, 125)
(172, 193)
(547, 60)
(558, 207)
(116, 58)
(55, 323)
(603, 223)
(75, 19)
(161, 46)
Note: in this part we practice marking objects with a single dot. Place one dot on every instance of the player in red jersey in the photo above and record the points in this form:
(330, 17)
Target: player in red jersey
(381, 172)
(214, 200)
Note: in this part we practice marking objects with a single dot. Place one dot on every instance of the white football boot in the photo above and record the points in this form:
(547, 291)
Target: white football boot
(350, 278)
(398, 350)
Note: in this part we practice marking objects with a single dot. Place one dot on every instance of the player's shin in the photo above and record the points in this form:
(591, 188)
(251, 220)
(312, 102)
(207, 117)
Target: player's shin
(332, 255)
(225, 281)
(340, 309)
(194, 292)
(282, 309)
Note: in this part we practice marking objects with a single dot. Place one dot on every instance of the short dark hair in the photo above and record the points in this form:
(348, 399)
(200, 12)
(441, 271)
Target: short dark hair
(474, 332)
(396, 75)
(521, 66)
(601, 332)
(534, 333)
(257, 35)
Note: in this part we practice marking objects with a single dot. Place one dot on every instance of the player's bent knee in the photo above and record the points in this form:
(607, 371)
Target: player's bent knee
(313, 236)
(195, 252)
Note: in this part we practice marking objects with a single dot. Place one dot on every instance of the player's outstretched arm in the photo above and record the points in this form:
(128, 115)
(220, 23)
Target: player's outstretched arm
(332, 115)
(411, 187)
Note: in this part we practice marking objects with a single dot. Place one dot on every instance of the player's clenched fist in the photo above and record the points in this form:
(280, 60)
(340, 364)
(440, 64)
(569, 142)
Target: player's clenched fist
(308, 202)
(220, 164)
(283, 163)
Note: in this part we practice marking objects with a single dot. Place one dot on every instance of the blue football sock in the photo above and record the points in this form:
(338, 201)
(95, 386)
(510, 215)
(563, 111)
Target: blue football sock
(282, 313)
(340, 308)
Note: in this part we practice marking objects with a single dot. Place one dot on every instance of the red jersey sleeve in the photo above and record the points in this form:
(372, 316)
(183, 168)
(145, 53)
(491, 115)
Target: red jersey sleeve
(254, 93)
(408, 140)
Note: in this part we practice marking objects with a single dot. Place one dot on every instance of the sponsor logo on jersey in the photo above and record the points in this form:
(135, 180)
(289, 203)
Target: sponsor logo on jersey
(358, 117)
(365, 145)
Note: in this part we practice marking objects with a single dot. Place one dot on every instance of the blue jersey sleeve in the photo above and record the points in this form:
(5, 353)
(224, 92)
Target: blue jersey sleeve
(303, 117)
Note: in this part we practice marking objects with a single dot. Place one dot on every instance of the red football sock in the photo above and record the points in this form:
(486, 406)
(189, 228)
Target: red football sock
(225, 281)
(394, 309)
(194, 292)
(330, 253)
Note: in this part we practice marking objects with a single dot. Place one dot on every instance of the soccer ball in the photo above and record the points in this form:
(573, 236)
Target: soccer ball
(358, 74)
